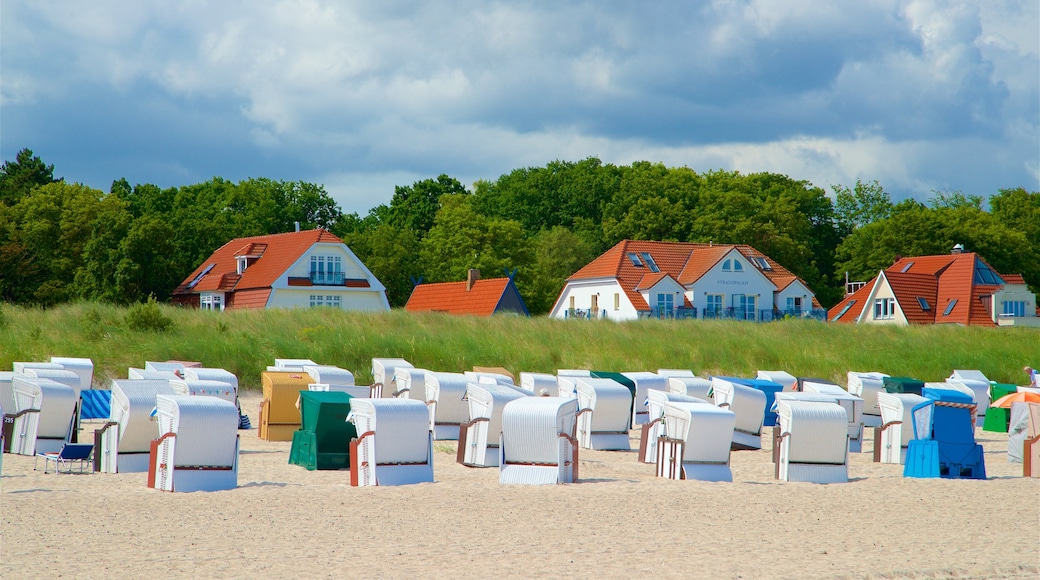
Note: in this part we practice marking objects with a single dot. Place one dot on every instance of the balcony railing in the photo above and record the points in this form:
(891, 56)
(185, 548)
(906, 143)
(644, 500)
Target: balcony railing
(327, 278)
(670, 313)
(579, 313)
(730, 313)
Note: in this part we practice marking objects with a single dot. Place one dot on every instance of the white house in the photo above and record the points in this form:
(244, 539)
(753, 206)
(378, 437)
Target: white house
(292, 270)
(636, 279)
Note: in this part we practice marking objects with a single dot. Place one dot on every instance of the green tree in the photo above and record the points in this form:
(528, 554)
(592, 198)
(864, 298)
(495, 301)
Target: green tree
(864, 204)
(461, 239)
(20, 177)
(558, 253)
(392, 254)
(415, 206)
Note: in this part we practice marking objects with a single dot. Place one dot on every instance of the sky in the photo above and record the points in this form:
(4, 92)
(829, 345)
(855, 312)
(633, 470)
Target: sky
(922, 95)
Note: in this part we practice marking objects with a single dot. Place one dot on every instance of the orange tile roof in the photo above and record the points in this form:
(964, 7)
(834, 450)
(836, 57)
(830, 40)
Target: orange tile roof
(941, 280)
(686, 262)
(1013, 279)
(860, 298)
(277, 252)
(908, 287)
(452, 297)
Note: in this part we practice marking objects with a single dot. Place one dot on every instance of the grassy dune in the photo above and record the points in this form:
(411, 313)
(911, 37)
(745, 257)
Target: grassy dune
(245, 342)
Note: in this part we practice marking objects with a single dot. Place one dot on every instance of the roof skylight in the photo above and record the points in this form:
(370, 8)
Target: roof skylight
(650, 263)
(924, 303)
(949, 307)
(635, 260)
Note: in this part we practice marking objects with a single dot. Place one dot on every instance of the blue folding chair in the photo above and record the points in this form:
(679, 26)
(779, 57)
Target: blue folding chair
(70, 454)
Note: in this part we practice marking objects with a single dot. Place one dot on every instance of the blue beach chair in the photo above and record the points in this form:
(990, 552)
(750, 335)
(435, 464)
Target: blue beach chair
(71, 453)
(944, 438)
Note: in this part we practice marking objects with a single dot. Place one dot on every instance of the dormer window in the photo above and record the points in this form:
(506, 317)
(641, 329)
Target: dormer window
(243, 263)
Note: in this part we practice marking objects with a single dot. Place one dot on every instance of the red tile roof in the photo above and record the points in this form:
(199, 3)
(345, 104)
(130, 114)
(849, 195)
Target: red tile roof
(942, 280)
(908, 287)
(277, 253)
(686, 262)
(1013, 279)
(858, 300)
(452, 297)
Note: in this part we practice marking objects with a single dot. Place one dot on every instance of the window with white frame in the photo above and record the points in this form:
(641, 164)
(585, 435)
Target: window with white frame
(617, 301)
(327, 270)
(326, 300)
(794, 304)
(211, 302)
(1014, 308)
(884, 308)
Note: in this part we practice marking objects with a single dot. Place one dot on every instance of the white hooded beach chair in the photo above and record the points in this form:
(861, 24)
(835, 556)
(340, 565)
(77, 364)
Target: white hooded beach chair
(44, 415)
(535, 382)
(62, 376)
(218, 389)
(893, 436)
(1023, 429)
(695, 443)
(669, 373)
(394, 444)
(488, 378)
(330, 375)
(979, 385)
(290, 365)
(20, 366)
(867, 386)
(139, 374)
(6, 391)
(122, 445)
(644, 381)
(691, 386)
(650, 431)
(197, 448)
(811, 396)
(538, 446)
(448, 410)
(479, 437)
(566, 386)
(174, 367)
(408, 383)
(604, 415)
(814, 443)
(212, 374)
(749, 406)
(383, 376)
(83, 367)
(852, 404)
(789, 381)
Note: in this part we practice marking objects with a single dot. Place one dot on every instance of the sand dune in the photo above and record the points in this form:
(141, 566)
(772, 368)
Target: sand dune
(619, 521)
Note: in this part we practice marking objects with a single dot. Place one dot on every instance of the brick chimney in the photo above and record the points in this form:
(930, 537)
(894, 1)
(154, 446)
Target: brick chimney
(471, 277)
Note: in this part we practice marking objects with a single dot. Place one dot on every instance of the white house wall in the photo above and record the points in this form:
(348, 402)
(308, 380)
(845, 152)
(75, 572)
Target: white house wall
(794, 290)
(666, 285)
(372, 298)
(1013, 293)
(882, 290)
(365, 299)
(582, 292)
(750, 282)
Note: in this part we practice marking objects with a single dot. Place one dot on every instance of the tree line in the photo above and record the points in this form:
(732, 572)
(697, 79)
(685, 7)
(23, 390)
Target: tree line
(64, 241)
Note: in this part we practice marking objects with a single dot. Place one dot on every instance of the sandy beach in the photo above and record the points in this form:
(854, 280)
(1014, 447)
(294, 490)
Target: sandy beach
(619, 521)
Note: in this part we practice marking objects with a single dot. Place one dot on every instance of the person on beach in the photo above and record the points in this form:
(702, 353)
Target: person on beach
(1034, 377)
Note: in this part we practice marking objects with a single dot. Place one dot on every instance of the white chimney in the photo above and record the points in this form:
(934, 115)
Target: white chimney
(958, 249)
(297, 224)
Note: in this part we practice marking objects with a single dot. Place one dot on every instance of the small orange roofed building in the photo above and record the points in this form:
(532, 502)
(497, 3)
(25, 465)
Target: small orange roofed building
(473, 296)
(955, 288)
(301, 269)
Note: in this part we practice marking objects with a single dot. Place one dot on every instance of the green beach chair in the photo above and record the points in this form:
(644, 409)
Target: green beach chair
(323, 442)
(997, 420)
(902, 385)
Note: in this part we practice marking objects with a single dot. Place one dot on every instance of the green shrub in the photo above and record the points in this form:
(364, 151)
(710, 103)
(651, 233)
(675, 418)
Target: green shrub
(148, 317)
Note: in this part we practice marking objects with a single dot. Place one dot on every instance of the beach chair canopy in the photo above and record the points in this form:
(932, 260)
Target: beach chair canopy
(83, 367)
(383, 373)
(783, 378)
(691, 386)
(669, 373)
(606, 413)
(409, 383)
(330, 375)
(139, 374)
(815, 442)
(535, 382)
(197, 449)
(211, 374)
(394, 444)
(45, 411)
(205, 388)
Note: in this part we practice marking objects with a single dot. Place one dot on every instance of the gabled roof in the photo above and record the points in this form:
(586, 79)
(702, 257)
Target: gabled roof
(948, 282)
(483, 299)
(277, 252)
(849, 309)
(686, 262)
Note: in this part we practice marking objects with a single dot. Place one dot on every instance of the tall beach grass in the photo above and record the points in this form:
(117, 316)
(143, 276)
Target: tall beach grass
(245, 342)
